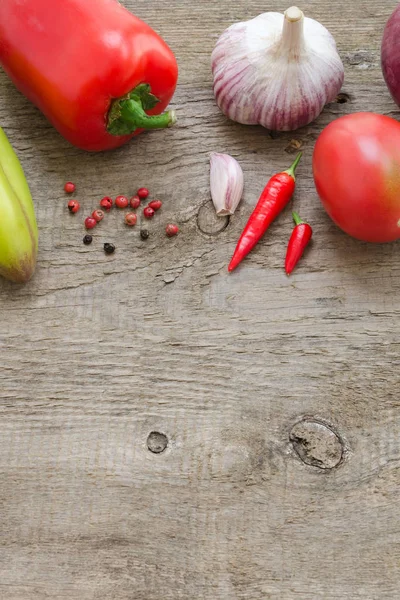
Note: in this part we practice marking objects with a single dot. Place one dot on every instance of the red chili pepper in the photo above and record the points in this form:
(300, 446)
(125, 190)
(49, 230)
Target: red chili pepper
(273, 200)
(96, 71)
(299, 240)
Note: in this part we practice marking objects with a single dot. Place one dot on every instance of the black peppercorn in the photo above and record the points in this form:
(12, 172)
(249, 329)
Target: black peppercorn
(144, 234)
(109, 248)
(88, 239)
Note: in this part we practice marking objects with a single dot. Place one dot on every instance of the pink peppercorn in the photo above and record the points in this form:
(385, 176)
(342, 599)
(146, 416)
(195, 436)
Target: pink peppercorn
(148, 212)
(155, 205)
(69, 187)
(135, 202)
(121, 201)
(171, 230)
(98, 215)
(73, 206)
(143, 193)
(131, 219)
(106, 203)
(90, 223)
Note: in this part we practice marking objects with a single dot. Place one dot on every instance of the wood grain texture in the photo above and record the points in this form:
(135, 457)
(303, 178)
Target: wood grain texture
(98, 352)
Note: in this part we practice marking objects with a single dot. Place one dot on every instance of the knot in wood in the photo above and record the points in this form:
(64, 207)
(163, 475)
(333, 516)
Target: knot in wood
(157, 442)
(317, 444)
(208, 221)
(342, 98)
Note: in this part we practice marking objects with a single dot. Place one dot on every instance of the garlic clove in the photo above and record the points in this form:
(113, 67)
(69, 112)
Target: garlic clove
(226, 182)
(276, 70)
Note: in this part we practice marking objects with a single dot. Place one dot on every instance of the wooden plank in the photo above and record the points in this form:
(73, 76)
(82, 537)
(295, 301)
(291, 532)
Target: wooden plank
(98, 352)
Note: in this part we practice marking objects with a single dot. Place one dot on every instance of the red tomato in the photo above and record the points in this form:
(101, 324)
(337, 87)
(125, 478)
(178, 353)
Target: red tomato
(356, 167)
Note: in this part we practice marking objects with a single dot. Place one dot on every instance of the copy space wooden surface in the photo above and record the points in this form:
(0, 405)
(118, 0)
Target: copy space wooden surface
(279, 398)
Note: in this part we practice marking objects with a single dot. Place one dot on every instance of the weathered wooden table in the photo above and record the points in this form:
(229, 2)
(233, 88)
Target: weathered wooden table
(278, 399)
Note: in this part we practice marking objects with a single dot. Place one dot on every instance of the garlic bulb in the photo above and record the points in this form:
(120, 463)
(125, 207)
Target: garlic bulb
(276, 70)
(226, 181)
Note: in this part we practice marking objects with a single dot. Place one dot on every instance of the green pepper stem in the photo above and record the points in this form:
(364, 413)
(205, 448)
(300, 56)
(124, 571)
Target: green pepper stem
(292, 170)
(129, 113)
(296, 219)
(132, 112)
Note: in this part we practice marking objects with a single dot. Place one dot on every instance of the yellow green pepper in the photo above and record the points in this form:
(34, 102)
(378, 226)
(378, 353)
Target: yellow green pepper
(18, 228)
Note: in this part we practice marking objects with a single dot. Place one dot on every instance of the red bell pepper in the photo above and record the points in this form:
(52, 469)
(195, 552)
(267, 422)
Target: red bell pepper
(95, 70)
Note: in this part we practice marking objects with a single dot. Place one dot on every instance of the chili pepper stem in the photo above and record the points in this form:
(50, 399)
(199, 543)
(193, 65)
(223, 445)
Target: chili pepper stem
(292, 170)
(297, 220)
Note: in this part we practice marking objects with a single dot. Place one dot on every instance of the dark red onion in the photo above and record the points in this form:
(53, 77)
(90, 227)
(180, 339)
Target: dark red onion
(390, 55)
